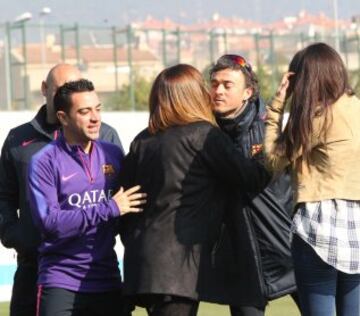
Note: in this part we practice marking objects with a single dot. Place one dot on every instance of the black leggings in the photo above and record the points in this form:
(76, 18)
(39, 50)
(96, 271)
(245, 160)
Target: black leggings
(169, 305)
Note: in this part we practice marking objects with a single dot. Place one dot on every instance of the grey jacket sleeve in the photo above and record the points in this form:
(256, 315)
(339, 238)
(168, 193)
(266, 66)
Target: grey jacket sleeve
(109, 134)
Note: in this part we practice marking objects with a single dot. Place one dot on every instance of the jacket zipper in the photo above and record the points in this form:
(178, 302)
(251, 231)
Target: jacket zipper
(86, 166)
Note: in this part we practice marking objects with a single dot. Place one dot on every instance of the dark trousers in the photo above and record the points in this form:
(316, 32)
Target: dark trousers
(168, 305)
(61, 302)
(23, 298)
(322, 289)
(256, 311)
(247, 311)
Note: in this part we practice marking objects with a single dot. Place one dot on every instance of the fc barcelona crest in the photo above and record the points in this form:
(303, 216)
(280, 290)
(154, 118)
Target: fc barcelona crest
(255, 149)
(108, 169)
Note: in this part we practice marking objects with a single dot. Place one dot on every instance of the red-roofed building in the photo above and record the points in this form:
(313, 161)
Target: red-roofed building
(233, 25)
(154, 24)
(96, 63)
(308, 24)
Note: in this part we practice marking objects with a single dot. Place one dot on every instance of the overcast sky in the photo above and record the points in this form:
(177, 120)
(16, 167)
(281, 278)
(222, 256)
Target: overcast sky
(120, 12)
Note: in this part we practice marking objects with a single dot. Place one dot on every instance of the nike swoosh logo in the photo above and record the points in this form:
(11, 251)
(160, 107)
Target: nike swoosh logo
(27, 142)
(66, 178)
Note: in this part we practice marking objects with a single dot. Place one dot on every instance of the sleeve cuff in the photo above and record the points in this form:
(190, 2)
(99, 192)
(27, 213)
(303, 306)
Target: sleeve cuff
(115, 211)
(277, 104)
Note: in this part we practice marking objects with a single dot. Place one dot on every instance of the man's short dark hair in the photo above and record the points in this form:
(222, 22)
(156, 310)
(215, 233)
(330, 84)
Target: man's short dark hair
(239, 63)
(62, 98)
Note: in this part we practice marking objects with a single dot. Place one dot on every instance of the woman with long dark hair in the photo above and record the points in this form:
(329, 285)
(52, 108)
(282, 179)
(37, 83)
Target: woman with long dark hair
(321, 142)
(184, 163)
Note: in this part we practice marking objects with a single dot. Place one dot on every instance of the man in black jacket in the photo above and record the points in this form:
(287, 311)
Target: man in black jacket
(253, 258)
(16, 227)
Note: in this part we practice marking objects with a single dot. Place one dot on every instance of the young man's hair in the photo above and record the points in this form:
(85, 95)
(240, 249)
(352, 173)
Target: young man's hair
(238, 63)
(179, 97)
(62, 98)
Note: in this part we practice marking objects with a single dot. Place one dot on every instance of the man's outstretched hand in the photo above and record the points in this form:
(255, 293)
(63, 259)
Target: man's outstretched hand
(130, 201)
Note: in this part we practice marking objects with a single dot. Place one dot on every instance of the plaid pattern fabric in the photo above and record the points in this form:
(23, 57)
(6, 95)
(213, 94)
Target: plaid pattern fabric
(332, 229)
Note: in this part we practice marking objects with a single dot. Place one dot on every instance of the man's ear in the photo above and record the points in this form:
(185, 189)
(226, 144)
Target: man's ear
(62, 117)
(44, 88)
(248, 93)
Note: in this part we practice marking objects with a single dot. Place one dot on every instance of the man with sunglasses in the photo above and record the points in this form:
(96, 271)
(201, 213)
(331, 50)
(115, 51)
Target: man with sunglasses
(253, 258)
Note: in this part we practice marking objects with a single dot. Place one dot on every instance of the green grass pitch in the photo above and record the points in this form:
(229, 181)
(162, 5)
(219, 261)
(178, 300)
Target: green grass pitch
(280, 307)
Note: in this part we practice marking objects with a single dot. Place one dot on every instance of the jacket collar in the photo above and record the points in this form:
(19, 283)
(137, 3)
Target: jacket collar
(76, 151)
(243, 121)
(40, 125)
(72, 149)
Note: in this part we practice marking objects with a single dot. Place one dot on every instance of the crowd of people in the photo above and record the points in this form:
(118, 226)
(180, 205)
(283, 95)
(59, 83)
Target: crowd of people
(217, 200)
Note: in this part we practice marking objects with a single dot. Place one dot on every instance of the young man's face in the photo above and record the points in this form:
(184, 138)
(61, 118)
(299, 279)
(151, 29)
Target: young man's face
(228, 91)
(82, 123)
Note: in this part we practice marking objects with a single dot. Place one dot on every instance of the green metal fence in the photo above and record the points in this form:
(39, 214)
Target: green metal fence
(123, 61)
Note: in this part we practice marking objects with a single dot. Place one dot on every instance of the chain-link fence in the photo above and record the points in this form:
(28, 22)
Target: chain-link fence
(122, 62)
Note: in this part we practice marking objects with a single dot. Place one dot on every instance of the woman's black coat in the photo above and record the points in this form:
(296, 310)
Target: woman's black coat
(186, 172)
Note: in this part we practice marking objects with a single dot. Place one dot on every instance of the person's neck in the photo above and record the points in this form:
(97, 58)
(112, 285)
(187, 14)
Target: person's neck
(235, 113)
(51, 118)
(85, 145)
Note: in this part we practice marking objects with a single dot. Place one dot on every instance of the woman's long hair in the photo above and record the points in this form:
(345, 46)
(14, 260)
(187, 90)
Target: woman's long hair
(178, 97)
(320, 79)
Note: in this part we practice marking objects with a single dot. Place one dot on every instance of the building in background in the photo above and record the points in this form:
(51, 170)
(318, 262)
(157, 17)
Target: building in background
(114, 58)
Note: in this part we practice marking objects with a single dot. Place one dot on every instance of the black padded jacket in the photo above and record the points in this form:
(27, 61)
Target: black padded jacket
(252, 260)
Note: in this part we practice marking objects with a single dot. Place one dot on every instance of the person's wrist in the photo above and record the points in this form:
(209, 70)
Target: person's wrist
(279, 97)
(115, 207)
(277, 104)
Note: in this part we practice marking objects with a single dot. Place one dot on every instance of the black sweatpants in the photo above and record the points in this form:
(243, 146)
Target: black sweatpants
(23, 298)
(61, 302)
